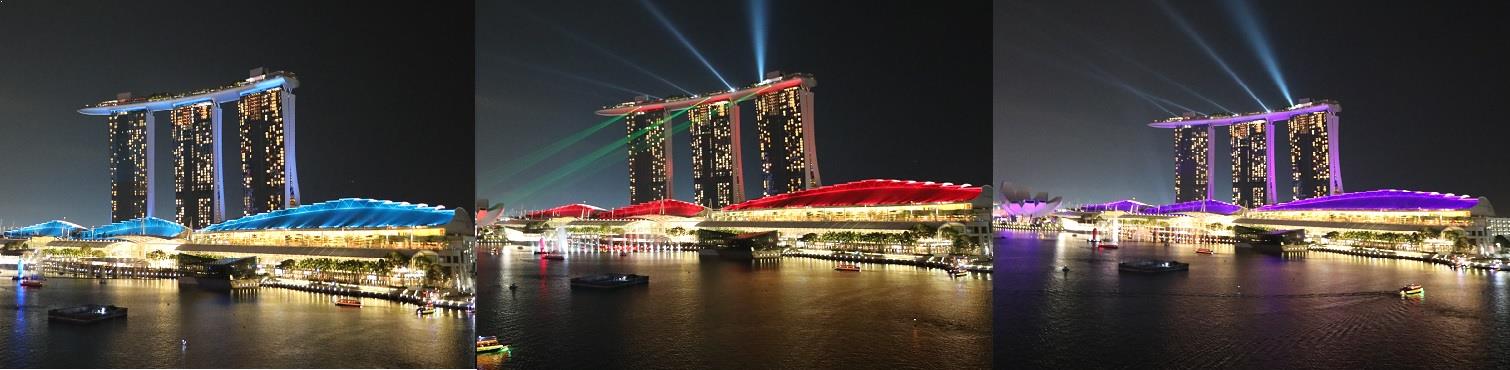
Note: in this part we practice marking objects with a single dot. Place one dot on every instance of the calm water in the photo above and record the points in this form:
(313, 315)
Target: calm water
(708, 313)
(276, 328)
(1239, 309)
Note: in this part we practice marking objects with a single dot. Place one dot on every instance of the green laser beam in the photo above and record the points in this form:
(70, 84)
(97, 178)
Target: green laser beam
(556, 175)
(527, 161)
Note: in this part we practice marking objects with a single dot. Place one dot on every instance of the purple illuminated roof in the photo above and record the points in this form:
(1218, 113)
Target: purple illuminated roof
(1131, 206)
(1379, 200)
(1228, 120)
(1206, 206)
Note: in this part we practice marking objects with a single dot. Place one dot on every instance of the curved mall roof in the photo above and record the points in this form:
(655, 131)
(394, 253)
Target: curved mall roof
(1130, 206)
(1379, 200)
(343, 213)
(54, 228)
(678, 103)
(220, 94)
(149, 226)
(671, 207)
(577, 210)
(1299, 109)
(1203, 206)
(866, 193)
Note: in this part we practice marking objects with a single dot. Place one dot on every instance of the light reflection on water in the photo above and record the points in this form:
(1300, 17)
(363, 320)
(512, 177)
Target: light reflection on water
(709, 313)
(1238, 308)
(268, 327)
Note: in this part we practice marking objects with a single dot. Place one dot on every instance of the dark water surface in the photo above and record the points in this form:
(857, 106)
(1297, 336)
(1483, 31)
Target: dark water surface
(1239, 308)
(795, 313)
(270, 327)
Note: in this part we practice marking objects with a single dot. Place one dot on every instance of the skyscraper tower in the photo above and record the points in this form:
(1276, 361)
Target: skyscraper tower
(784, 122)
(1252, 163)
(198, 197)
(268, 173)
(1314, 167)
(130, 164)
(716, 177)
(1192, 163)
(649, 155)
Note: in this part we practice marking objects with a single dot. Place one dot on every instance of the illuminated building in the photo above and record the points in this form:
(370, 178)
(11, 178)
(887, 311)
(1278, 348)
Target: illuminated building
(130, 164)
(1192, 163)
(350, 228)
(267, 147)
(54, 228)
(784, 120)
(1380, 211)
(649, 155)
(198, 198)
(268, 179)
(1312, 132)
(147, 226)
(1314, 170)
(1252, 166)
(784, 123)
(716, 177)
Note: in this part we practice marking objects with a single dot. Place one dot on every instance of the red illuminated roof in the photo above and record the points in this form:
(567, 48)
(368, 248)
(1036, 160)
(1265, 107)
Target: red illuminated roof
(866, 193)
(670, 207)
(578, 210)
(680, 103)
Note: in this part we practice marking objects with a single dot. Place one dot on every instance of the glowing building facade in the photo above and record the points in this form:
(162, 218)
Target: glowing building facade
(1251, 163)
(1192, 163)
(784, 123)
(269, 172)
(716, 177)
(266, 147)
(649, 155)
(197, 196)
(130, 164)
(1314, 171)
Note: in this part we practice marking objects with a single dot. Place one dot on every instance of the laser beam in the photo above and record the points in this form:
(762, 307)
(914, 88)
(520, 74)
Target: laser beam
(578, 77)
(1253, 32)
(758, 9)
(1190, 31)
(600, 49)
(679, 37)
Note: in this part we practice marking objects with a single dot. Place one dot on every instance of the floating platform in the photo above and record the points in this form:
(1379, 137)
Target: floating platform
(1152, 266)
(609, 281)
(86, 314)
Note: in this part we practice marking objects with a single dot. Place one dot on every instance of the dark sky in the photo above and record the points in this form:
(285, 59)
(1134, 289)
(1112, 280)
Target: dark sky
(1421, 88)
(382, 107)
(901, 92)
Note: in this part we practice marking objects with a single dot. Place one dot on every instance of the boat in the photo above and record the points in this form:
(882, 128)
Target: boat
(86, 314)
(1107, 246)
(513, 286)
(1151, 266)
(623, 254)
(1203, 250)
(428, 308)
(1065, 269)
(847, 267)
(349, 302)
(31, 283)
(956, 272)
(1413, 289)
(556, 257)
(490, 344)
(609, 281)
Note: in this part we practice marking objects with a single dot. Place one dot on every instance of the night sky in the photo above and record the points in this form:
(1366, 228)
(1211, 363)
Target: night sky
(382, 104)
(1421, 88)
(901, 93)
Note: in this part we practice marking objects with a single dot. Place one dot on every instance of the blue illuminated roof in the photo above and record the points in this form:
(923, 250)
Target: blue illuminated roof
(54, 228)
(149, 226)
(342, 213)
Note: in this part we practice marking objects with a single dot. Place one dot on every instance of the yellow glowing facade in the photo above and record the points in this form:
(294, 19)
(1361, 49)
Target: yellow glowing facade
(381, 238)
(945, 212)
(649, 167)
(784, 122)
(1311, 155)
(1250, 163)
(130, 135)
(716, 177)
(1192, 163)
(194, 165)
(264, 154)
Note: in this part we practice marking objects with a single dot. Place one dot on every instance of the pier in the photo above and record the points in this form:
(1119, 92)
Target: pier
(368, 292)
(890, 259)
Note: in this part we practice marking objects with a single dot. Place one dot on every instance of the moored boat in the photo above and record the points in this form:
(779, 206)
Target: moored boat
(604, 281)
(86, 314)
(847, 267)
(490, 344)
(1203, 250)
(30, 283)
(556, 257)
(349, 302)
(1152, 266)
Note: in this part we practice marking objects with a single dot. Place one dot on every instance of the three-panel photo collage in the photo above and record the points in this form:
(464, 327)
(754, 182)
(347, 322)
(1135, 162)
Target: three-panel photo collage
(666, 184)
